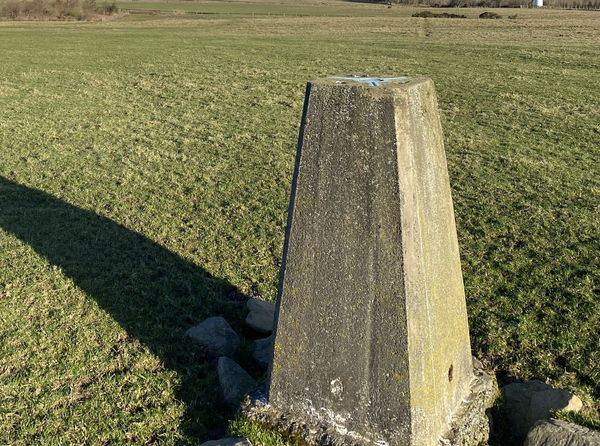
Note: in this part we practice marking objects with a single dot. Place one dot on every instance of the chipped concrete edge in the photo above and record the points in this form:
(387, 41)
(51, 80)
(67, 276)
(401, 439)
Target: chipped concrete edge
(256, 409)
(470, 425)
(303, 428)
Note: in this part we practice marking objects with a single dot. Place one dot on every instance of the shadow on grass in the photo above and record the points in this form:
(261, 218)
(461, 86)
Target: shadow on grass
(154, 294)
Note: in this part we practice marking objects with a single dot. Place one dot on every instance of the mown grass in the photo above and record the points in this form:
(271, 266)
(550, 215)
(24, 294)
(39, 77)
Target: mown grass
(146, 165)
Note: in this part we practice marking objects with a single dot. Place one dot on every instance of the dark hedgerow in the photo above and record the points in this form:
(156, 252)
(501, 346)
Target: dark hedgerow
(443, 15)
(489, 15)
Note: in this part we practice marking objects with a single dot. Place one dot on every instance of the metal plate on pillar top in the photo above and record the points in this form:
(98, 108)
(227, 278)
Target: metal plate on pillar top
(371, 80)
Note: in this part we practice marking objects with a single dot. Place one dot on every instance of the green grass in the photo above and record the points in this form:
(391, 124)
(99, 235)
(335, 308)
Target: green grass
(579, 418)
(146, 164)
(258, 434)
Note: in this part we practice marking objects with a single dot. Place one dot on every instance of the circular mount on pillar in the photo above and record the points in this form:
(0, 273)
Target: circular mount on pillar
(373, 81)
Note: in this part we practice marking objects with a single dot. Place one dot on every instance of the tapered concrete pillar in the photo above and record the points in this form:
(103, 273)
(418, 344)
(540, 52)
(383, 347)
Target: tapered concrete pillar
(372, 342)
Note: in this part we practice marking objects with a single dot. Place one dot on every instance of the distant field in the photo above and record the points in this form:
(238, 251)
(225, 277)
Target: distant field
(237, 8)
(145, 168)
(309, 8)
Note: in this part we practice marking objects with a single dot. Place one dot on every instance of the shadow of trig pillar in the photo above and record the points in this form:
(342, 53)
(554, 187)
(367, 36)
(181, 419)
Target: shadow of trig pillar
(372, 342)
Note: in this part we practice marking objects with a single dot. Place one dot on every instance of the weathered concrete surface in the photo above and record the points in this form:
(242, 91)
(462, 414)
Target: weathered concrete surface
(525, 403)
(372, 343)
(561, 433)
(469, 426)
(471, 423)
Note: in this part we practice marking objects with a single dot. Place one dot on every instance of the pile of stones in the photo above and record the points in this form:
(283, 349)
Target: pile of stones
(221, 342)
(527, 406)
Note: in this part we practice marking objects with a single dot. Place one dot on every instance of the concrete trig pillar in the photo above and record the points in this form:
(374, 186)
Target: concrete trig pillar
(372, 342)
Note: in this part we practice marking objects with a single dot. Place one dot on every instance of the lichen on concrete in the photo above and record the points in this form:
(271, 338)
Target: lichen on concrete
(470, 424)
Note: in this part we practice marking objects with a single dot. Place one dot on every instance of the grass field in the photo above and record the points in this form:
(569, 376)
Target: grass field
(145, 167)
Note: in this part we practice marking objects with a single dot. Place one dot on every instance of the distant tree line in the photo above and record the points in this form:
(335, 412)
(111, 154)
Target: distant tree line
(578, 4)
(55, 9)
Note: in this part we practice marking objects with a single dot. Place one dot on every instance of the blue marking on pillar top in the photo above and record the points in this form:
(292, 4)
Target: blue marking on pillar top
(372, 81)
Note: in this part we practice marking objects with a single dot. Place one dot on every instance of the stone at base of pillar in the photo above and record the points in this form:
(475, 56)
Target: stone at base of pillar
(470, 425)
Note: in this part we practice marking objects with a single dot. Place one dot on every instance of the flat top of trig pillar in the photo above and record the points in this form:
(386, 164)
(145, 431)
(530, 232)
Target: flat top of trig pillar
(369, 81)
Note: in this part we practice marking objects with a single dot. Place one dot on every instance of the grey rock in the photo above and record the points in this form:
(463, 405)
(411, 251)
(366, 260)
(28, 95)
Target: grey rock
(234, 381)
(262, 351)
(261, 316)
(216, 335)
(230, 441)
(561, 433)
(525, 403)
